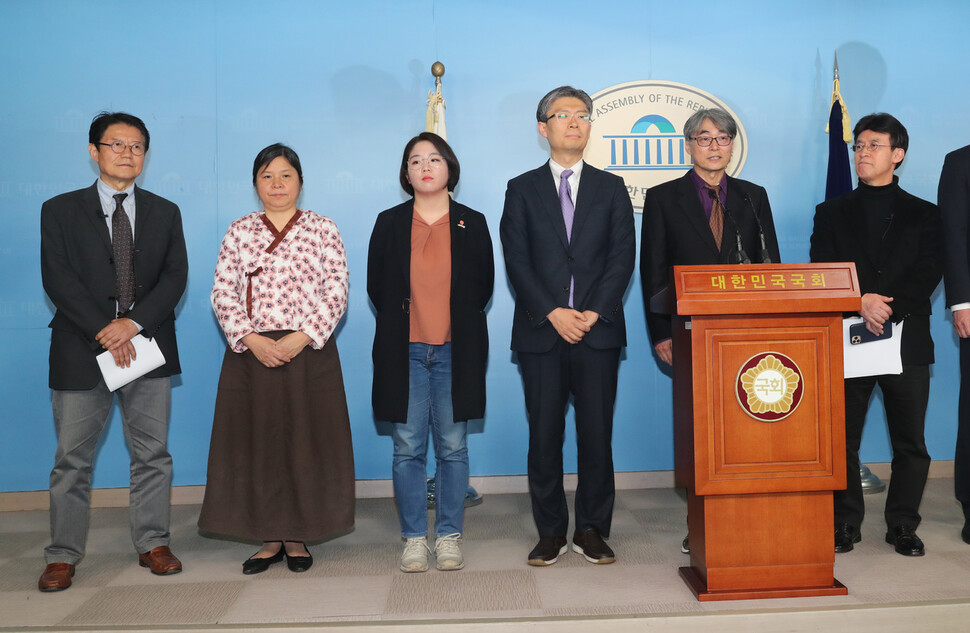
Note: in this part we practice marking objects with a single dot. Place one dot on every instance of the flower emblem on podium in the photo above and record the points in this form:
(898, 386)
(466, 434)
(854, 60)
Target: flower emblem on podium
(769, 386)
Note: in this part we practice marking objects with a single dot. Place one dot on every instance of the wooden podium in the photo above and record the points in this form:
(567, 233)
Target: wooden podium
(759, 424)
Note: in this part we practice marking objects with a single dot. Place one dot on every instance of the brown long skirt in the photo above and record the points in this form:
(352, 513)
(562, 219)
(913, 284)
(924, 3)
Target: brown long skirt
(281, 462)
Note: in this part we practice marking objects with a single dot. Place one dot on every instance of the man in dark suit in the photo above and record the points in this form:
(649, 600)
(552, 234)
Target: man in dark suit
(954, 201)
(703, 217)
(894, 239)
(569, 256)
(114, 265)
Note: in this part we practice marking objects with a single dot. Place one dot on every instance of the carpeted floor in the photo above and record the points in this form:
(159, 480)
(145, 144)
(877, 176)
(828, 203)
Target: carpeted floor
(355, 578)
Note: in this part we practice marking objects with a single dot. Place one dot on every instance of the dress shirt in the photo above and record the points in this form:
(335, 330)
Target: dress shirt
(702, 191)
(573, 180)
(106, 194)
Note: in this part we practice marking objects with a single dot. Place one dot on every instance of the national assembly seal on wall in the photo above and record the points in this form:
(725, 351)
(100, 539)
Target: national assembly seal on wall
(638, 133)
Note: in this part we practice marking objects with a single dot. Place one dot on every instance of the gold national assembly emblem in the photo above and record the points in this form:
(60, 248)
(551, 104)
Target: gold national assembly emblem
(769, 386)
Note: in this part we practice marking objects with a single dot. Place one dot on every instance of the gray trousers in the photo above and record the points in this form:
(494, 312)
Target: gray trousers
(79, 419)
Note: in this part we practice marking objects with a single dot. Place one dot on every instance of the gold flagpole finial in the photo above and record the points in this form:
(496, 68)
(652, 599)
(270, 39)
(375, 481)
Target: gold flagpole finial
(435, 115)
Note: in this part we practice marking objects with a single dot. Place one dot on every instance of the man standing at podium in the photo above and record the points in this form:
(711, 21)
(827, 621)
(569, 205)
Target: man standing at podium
(954, 200)
(570, 247)
(895, 241)
(703, 217)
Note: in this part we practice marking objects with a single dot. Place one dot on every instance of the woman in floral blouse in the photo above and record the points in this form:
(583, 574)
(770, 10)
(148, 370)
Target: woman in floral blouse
(280, 461)
(429, 275)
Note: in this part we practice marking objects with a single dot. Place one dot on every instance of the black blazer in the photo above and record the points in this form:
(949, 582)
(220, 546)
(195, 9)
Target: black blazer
(389, 289)
(676, 231)
(540, 261)
(79, 277)
(954, 200)
(908, 267)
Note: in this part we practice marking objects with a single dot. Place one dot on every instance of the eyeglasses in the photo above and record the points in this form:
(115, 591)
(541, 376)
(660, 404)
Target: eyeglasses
(871, 146)
(118, 147)
(434, 162)
(705, 141)
(569, 116)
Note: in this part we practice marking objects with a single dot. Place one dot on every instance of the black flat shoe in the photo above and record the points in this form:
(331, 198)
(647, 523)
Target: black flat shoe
(299, 563)
(259, 565)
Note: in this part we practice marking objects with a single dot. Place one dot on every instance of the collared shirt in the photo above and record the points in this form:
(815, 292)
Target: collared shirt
(702, 192)
(573, 180)
(106, 194)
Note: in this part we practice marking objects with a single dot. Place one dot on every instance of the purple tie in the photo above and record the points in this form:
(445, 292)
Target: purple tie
(568, 211)
(566, 201)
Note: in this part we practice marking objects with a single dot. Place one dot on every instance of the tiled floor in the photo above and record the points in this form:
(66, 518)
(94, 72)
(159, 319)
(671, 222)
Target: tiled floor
(355, 578)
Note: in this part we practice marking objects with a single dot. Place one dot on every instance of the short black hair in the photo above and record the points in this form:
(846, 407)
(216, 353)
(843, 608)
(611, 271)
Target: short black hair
(442, 147)
(103, 120)
(542, 111)
(271, 152)
(883, 123)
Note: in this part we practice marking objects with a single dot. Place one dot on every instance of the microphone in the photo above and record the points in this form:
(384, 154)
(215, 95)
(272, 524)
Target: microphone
(742, 256)
(765, 257)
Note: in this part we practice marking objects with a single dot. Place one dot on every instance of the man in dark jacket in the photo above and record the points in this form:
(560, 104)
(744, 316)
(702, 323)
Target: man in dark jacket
(954, 200)
(894, 239)
(114, 265)
(568, 235)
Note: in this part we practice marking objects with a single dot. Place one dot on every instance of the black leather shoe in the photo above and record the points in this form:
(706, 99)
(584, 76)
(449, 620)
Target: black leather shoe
(685, 545)
(965, 534)
(845, 536)
(299, 563)
(905, 540)
(259, 565)
(592, 547)
(548, 550)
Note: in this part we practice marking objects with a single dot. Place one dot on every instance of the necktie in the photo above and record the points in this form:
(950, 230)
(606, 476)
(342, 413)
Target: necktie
(121, 244)
(568, 211)
(717, 214)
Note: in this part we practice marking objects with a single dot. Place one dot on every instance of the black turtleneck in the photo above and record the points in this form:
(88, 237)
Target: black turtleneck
(876, 206)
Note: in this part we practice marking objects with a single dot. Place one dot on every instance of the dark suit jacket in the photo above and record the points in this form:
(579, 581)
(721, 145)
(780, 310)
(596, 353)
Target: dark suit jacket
(540, 260)
(954, 201)
(389, 288)
(79, 276)
(908, 267)
(676, 231)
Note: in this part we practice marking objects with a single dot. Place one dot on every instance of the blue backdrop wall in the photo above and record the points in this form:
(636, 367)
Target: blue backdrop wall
(345, 84)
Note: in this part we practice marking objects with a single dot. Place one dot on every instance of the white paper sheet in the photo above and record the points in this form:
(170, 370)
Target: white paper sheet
(874, 358)
(147, 358)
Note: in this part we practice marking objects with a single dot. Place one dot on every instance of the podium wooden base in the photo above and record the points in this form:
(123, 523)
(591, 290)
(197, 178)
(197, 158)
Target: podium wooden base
(773, 545)
(699, 588)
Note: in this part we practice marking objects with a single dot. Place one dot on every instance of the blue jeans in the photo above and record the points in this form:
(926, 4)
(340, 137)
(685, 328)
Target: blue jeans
(429, 408)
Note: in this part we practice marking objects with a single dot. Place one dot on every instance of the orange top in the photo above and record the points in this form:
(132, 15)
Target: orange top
(430, 281)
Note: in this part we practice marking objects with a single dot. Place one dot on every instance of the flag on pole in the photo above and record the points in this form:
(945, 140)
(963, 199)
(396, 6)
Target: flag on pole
(435, 117)
(838, 181)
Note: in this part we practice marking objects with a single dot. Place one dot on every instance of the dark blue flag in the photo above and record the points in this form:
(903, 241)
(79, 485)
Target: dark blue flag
(838, 181)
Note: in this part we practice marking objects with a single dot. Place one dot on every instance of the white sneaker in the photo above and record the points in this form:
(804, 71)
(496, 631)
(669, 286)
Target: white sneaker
(447, 554)
(415, 556)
